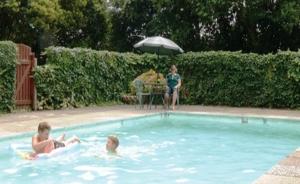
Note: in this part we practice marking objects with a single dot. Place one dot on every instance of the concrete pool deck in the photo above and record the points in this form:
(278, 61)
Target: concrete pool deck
(286, 171)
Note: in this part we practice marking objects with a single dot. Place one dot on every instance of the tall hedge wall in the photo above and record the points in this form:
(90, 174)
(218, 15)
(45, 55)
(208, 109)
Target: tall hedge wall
(8, 60)
(75, 77)
(236, 79)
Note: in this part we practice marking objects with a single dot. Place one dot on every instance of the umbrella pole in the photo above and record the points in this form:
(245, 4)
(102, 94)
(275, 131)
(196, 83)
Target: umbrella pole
(157, 69)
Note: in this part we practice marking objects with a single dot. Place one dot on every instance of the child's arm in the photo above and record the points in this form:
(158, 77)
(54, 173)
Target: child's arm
(179, 84)
(39, 146)
(61, 138)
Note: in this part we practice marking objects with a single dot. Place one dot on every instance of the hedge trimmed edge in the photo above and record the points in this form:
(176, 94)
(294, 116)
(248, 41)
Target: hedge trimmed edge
(8, 60)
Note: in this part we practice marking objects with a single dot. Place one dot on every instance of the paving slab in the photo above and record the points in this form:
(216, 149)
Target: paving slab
(273, 179)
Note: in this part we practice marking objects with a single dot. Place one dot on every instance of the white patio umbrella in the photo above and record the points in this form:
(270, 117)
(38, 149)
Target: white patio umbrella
(158, 45)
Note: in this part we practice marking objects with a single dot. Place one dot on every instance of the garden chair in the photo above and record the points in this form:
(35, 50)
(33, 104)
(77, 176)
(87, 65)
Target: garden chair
(140, 94)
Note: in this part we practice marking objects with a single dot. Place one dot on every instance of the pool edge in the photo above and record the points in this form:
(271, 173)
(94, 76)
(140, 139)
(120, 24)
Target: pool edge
(91, 123)
(74, 126)
(286, 171)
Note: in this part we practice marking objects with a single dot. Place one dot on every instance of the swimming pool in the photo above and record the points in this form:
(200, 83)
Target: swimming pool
(169, 148)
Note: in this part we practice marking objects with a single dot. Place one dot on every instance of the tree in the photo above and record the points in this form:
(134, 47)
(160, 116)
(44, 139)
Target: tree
(128, 22)
(25, 21)
(251, 26)
(41, 23)
(84, 24)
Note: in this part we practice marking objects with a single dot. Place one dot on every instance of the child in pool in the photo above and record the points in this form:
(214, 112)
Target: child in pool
(112, 144)
(43, 143)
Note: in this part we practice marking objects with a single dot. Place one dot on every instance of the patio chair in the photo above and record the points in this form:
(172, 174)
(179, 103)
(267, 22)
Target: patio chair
(140, 94)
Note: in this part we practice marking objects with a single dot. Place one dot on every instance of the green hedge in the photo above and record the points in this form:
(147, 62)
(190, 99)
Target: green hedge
(8, 60)
(79, 77)
(236, 79)
(76, 77)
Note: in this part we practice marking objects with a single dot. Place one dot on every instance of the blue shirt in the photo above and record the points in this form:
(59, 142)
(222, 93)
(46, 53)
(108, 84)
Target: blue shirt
(173, 79)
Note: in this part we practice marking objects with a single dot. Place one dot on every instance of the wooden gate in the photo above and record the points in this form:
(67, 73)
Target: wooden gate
(25, 90)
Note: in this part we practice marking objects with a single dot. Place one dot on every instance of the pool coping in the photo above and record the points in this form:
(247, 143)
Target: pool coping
(81, 124)
(286, 171)
(242, 115)
(19, 122)
(92, 123)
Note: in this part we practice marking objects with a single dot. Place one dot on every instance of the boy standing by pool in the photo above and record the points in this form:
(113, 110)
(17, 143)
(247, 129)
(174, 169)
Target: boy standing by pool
(43, 143)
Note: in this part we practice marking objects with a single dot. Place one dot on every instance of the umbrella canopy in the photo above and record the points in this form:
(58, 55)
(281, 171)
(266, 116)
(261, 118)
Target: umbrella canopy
(158, 45)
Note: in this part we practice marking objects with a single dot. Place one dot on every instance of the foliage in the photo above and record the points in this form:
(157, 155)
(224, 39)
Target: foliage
(79, 77)
(258, 26)
(84, 23)
(251, 26)
(148, 77)
(29, 21)
(8, 60)
(41, 23)
(75, 77)
(236, 79)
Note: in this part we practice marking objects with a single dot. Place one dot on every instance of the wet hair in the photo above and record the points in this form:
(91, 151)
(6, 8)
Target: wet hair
(114, 139)
(44, 126)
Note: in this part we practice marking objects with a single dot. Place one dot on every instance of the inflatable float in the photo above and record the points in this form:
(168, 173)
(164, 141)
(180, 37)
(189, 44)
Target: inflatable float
(24, 151)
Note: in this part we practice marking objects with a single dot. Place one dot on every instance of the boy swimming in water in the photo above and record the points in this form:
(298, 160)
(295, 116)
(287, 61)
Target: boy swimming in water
(43, 143)
(112, 144)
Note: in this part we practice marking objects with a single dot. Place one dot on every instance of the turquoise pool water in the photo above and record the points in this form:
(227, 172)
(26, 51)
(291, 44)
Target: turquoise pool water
(178, 148)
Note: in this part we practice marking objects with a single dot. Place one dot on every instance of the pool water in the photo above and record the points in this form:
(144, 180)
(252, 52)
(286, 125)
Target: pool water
(162, 149)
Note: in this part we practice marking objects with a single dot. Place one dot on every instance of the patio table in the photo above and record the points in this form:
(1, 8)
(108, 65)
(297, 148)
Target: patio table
(157, 90)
